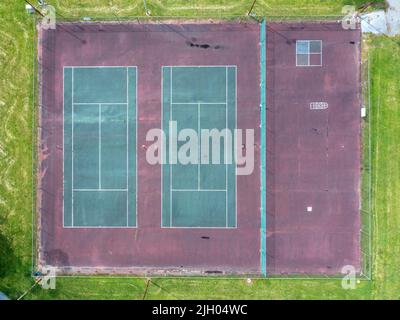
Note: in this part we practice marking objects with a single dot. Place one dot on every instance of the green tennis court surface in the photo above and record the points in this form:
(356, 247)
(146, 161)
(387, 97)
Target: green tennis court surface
(99, 146)
(199, 195)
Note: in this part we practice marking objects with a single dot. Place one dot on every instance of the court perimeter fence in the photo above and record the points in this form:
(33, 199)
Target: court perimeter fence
(40, 106)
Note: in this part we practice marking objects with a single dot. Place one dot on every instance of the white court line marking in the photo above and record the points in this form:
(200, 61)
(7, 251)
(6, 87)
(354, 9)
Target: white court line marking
(127, 146)
(162, 149)
(95, 67)
(309, 54)
(203, 66)
(321, 54)
(100, 227)
(226, 146)
(205, 103)
(205, 190)
(179, 227)
(63, 151)
(170, 165)
(136, 138)
(199, 150)
(96, 103)
(99, 146)
(236, 198)
(102, 190)
(72, 148)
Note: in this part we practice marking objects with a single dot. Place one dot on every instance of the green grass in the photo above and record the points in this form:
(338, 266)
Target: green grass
(185, 8)
(385, 96)
(16, 119)
(16, 61)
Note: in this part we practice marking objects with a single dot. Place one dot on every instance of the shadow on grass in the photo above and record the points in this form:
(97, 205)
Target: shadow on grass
(8, 260)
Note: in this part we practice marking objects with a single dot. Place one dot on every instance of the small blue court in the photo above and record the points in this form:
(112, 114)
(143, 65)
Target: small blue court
(100, 147)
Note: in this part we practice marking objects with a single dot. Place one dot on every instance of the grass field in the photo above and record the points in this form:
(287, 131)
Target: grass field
(16, 182)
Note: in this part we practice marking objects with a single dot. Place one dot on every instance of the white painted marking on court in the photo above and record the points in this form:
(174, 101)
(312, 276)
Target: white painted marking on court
(162, 145)
(236, 184)
(203, 66)
(63, 101)
(205, 190)
(321, 54)
(100, 227)
(95, 67)
(222, 228)
(205, 103)
(309, 54)
(127, 146)
(72, 148)
(99, 146)
(136, 139)
(170, 165)
(96, 103)
(226, 147)
(102, 190)
(199, 150)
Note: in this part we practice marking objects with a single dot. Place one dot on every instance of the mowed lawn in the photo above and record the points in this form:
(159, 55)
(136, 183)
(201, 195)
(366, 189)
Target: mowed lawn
(16, 181)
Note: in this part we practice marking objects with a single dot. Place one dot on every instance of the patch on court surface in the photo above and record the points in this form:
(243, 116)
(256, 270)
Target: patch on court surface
(102, 206)
(99, 131)
(199, 195)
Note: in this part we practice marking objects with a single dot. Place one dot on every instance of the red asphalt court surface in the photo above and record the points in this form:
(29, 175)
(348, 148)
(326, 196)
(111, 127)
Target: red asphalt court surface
(149, 47)
(313, 156)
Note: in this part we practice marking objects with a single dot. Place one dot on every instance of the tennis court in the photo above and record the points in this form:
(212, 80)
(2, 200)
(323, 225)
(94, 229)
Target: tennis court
(99, 147)
(201, 194)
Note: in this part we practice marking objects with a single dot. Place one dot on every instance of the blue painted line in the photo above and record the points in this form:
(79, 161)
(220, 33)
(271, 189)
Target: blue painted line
(263, 128)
